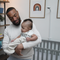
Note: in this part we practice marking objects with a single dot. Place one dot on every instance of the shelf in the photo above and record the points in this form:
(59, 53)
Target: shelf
(1, 38)
(1, 13)
(4, 1)
(4, 25)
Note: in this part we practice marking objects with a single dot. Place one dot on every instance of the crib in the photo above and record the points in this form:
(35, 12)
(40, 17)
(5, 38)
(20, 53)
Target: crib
(47, 50)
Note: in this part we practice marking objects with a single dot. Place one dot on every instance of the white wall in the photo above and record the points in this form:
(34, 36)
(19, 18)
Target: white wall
(55, 23)
(49, 27)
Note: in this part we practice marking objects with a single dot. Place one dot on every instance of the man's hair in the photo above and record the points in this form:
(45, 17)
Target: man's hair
(31, 24)
(9, 9)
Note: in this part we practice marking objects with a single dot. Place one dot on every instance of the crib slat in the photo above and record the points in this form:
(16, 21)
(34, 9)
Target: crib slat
(47, 44)
(44, 44)
(34, 55)
(54, 47)
(42, 55)
(47, 55)
(56, 55)
(50, 46)
(37, 54)
(40, 45)
(51, 55)
(58, 46)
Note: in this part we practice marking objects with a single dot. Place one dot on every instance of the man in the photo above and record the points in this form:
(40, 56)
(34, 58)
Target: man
(13, 31)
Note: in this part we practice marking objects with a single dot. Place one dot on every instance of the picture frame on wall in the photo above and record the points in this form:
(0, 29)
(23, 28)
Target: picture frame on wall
(37, 8)
(58, 9)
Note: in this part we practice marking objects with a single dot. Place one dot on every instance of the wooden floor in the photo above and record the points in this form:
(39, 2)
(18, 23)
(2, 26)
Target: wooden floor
(3, 57)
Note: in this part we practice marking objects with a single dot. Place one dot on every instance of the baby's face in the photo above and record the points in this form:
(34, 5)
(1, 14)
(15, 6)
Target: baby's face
(24, 27)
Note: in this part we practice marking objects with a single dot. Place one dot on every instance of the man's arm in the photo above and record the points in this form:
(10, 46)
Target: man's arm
(5, 40)
(6, 43)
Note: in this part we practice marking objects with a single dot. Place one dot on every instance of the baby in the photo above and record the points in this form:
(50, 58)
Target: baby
(25, 36)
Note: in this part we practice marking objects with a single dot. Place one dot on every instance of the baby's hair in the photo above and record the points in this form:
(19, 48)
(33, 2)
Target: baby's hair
(30, 24)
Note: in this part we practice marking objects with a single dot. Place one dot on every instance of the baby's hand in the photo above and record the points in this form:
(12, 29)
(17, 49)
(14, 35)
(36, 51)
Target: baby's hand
(27, 39)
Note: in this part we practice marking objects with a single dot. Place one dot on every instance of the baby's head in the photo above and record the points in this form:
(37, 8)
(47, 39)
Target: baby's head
(26, 25)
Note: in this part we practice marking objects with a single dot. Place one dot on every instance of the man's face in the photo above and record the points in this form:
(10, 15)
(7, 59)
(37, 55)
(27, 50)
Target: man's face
(14, 17)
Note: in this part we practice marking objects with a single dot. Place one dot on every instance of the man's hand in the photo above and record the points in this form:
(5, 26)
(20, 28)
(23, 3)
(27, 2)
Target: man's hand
(20, 53)
(18, 49)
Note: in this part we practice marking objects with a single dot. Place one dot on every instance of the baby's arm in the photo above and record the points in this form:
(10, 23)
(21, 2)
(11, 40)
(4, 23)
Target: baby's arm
(33, 38)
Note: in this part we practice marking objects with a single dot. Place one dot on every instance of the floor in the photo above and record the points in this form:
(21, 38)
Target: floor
(3, 57)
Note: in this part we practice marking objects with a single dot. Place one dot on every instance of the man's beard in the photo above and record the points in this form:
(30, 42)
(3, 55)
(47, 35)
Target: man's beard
(17, 24)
